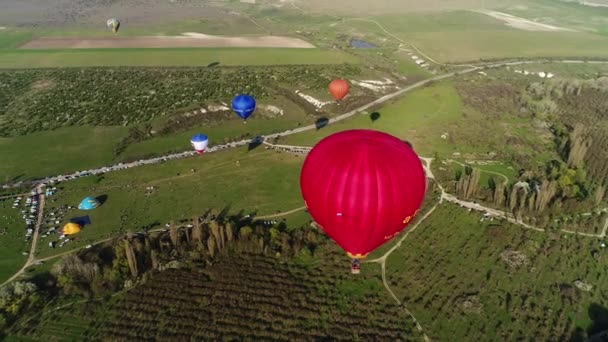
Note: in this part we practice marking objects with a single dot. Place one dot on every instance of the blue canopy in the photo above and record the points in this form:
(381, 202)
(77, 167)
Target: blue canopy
(88, 203)
(243, 105)
(199, 138)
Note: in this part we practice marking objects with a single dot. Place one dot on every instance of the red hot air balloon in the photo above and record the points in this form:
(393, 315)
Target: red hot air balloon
(338, 89)
(362, 187)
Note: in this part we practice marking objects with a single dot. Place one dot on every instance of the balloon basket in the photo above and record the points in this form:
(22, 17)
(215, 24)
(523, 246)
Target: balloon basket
(355, 266)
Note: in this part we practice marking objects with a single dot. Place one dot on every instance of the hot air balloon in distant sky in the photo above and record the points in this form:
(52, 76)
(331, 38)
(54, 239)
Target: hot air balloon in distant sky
(199, 143)
(113, 24)
(338, 89)
(243, 105)
(362, 187)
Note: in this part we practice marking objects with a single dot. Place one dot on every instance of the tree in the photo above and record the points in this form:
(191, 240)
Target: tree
(245, 232)
(600, 192)
(197, 231)
(545, 194)
(468, 184)
(154, 258)
(499, 194)
(229, 232)
(578, 145)
(132, 261)
(214, 227)
(211, 246)
(174, 234)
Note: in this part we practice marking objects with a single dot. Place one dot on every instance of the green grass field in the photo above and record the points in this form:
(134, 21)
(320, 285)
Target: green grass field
(453, 258)
(169, 57)
(265, 182)
(365, 8)
(55, 152)
(472, 46)
(225, 25)
(424, 115)
(562, 13)
(12, 242)
(420, 117)
(11, 39)
(467, 36)
(218, 131)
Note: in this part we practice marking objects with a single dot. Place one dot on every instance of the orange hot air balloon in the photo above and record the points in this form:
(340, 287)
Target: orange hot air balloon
(338, 89)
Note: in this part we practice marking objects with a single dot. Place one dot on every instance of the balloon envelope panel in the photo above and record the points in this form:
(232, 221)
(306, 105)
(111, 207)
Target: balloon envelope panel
(338, 89)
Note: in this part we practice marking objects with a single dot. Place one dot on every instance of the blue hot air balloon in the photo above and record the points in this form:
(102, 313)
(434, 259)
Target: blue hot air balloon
(243, 105)
(199, 142)
(89, 203)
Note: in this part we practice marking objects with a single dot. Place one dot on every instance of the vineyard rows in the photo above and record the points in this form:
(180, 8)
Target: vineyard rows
(253, 297)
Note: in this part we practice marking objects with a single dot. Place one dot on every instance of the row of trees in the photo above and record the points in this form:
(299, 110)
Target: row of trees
(558, 187)
(578, 111)
(15, 298)
(106, 270)
(576, 182)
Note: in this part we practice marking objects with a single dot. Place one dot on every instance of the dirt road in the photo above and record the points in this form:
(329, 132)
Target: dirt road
(31, 258)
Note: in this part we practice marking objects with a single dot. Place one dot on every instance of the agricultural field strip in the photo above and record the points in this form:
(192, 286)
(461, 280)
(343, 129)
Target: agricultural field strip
(383, 99)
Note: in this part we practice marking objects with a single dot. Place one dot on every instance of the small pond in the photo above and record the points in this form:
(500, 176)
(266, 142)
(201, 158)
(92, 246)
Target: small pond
(361, 44)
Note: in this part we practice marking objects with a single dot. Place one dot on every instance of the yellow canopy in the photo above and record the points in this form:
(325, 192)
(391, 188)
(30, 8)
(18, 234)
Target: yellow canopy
(71, 228)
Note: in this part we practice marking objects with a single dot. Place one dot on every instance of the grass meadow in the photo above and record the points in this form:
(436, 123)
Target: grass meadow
(12, 239)
(264, 182)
